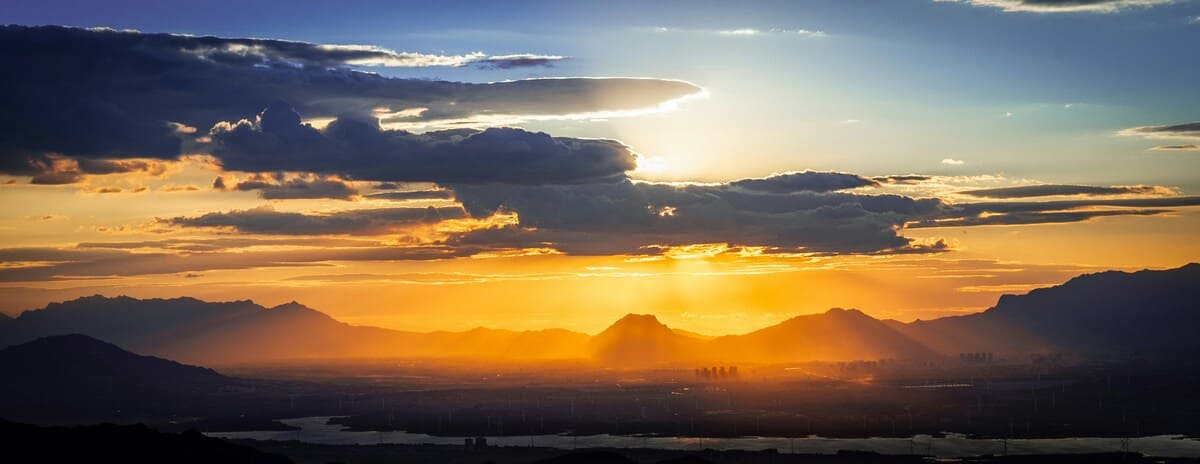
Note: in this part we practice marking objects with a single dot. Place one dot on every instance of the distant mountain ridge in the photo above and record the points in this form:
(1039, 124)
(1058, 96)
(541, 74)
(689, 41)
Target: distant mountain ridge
(1148, 312)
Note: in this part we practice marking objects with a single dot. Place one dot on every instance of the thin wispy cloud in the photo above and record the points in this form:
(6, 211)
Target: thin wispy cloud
(747, 32)
(953, 162)
(1189, 147)
(1187, 130)
(1063, 6)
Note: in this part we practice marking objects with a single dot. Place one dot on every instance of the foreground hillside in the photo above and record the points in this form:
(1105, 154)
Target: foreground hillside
(122, 444)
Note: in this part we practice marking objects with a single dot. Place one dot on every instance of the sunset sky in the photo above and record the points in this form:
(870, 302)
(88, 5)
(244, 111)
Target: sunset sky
(723, 165)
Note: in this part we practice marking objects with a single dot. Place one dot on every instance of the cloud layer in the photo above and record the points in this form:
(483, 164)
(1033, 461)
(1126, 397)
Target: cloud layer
(103, 94)
(277, 140)
(780, 213)
(1029, 191)
(349, 222)
(1187, 130)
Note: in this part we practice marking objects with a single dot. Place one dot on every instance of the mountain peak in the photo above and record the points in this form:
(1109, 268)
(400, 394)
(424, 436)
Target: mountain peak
(291, 306)
(639, 323)
(633, 318)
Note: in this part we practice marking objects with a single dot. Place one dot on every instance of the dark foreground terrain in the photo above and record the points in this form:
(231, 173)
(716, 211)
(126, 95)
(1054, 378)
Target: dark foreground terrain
(121, 443)
(303, 453)
(108, 443)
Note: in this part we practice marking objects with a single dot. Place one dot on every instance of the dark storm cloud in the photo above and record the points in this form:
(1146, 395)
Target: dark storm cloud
(810, 181)
(413, 195)
(88, 94)
(632, 217)
(277, 140)
(347, 222)
(298, 188)
(1042, 212)
(1028, 191)
(1064, 6)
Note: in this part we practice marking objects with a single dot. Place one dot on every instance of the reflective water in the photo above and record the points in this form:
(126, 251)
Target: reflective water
(318, 430)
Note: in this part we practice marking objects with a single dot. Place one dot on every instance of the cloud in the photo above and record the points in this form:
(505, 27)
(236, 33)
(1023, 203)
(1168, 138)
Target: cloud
(742, 32)
(1063, 6)
(103, 94)
(1024, 218)
(347, 222)
(179, 188)
(623, 217)
(1055, 211)
(1187, 130)
(57, 170)
(1176, 148)
(805, 212)
(361, 150)
(810, 181)
(745, 32)
(974, 209)
(72, 263)
(752, 32)
(229, 243)
(413, 195)
(298, 188)
(628, 217)
(240, 51)
(523, 60)
(953, 162)
(1027, 191)
(906, 179)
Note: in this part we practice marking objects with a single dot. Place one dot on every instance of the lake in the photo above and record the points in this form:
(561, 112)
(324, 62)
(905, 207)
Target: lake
(318, 430)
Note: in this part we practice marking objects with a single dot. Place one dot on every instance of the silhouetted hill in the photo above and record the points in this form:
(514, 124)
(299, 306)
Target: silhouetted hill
(122, 444)
(76, 376)
(641, 340)
(1147, 312)
(837, 335)
(72, 360)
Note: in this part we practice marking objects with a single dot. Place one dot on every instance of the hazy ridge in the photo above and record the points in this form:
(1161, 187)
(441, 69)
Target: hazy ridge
(1145, 312)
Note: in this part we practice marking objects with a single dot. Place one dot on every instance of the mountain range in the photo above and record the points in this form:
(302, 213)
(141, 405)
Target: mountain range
(1148, 312)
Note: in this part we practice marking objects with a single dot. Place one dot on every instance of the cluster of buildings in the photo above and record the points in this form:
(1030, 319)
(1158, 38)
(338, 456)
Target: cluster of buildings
(717, 372)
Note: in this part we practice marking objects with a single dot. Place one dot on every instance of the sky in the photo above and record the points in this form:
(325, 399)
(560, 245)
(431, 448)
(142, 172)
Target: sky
(526, 165)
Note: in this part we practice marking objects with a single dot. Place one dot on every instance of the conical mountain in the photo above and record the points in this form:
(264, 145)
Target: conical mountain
(640, 340)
